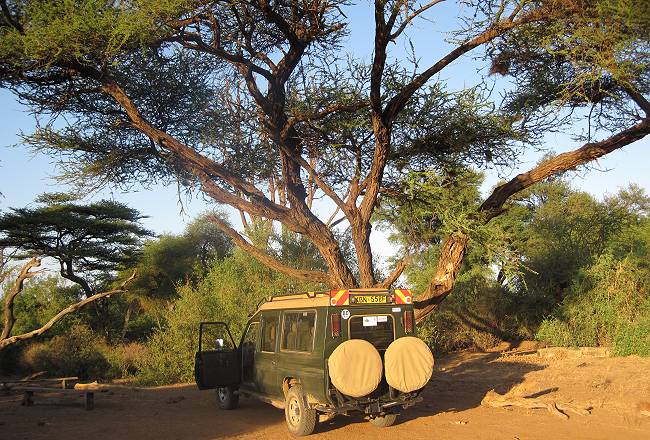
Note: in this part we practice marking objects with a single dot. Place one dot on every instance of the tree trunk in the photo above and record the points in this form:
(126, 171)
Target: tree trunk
(127, 317)
(451, 258)
(361, 240)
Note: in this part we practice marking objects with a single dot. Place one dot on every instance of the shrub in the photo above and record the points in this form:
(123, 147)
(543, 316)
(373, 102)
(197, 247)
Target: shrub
(75, 353)
(124, 359)
(230, 291)
(608, 305)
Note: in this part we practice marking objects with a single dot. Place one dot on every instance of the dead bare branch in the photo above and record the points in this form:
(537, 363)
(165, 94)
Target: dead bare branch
(68, 310)
(8, 313)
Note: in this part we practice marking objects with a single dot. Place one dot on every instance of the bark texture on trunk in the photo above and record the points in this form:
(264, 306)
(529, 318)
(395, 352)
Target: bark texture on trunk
(451, 258)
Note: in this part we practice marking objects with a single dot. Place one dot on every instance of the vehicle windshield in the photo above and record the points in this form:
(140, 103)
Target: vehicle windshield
(376, 329)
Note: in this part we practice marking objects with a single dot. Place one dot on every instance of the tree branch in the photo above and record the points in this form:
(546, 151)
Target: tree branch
(340, 107)
(8, 312)
(397, 272)
(399, 101)
(639, 99)
(411, 16)
(266, 259)
(11, 20)
(493, 205)
(68, 310)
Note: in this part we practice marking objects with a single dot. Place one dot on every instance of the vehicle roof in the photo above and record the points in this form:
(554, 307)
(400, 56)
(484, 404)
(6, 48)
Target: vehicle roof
(308, 299)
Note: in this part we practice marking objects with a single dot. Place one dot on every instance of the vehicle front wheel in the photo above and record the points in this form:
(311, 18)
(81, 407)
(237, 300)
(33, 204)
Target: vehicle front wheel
(301, 420)
(384, 421)
(227, 398)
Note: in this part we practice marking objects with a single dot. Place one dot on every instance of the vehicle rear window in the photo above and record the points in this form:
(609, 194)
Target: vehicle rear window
(298, 331)
(376, 329)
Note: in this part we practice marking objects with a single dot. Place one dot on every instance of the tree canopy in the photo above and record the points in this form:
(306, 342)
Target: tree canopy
(257, 105)
(170, 260)
(86, 240)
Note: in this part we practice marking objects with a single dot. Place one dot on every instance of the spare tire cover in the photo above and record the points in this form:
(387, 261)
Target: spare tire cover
(355, 368)
(408, 363)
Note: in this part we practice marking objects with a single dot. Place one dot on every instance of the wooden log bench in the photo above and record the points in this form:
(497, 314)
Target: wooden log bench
(28, 394)
(61, 382)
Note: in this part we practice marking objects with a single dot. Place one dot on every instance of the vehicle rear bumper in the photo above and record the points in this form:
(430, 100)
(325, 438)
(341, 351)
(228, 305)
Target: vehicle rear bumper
(369, 405)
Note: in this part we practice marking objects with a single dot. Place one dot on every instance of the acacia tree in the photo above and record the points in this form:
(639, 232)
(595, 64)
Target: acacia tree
(255, 104)
(88, 241)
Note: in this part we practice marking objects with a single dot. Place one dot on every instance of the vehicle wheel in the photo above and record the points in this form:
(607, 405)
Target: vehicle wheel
(227, 398)
(384, 421)
(301, 420)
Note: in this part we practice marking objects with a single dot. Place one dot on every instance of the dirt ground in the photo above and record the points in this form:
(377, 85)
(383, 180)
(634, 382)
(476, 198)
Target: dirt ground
(612, 387)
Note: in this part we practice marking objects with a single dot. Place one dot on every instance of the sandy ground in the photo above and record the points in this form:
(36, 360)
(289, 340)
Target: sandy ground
(613, 387)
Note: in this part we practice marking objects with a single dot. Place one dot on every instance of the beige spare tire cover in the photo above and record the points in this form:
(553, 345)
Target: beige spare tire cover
(355, 368)
(408, 363)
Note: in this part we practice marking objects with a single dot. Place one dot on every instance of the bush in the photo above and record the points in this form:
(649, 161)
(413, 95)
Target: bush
(608, 306)
(470, 318)
(231, 290)
(76, 353)
(124, 359)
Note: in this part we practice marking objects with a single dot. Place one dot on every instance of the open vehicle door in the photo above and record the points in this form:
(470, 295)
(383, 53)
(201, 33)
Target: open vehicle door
(217, 363)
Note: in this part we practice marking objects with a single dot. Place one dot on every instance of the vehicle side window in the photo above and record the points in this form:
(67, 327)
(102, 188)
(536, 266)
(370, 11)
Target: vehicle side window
(250, 338)
(298, 331)
(269, 332)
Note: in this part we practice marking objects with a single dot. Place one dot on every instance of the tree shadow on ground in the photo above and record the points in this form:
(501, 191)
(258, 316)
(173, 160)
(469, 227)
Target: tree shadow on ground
(459, 386)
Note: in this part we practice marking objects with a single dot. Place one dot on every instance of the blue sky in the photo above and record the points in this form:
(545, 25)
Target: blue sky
(24, 176)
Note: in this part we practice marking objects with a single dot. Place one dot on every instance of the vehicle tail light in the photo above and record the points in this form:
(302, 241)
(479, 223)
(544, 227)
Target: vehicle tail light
(336, 325)
(408, 321)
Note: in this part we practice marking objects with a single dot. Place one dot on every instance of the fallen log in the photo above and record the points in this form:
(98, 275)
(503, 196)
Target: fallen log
(559, 409)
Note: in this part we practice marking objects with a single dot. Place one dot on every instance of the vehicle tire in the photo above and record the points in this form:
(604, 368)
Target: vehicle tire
(408, 364)
(355, 368)
(227, 398)
(301, 420)
(384, 421)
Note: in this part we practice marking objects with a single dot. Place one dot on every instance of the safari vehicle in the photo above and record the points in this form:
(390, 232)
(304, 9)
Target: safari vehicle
(319, 354)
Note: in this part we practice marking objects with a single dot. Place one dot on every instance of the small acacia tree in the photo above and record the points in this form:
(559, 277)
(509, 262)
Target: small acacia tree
(256, 104)
(88, 241)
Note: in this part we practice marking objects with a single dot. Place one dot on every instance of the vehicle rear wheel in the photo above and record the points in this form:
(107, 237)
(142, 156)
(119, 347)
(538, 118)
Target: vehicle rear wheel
(227, 398)
(301, 420)
(384, 421)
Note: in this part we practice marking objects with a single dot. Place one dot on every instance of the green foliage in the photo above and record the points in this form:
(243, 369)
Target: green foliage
(230, 291)
(559, 266)
(585, 53)
(84, 31)
(175, 259)
(608, 305)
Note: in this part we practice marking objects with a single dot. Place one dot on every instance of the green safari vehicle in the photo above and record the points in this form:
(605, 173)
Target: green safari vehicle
(319, 354)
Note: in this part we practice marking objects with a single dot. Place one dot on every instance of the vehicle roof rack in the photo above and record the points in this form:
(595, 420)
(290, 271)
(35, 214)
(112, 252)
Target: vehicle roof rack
(311, 294)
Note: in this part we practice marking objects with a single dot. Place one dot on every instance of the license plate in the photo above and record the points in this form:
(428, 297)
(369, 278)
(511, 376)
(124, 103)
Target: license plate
(370, 299)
